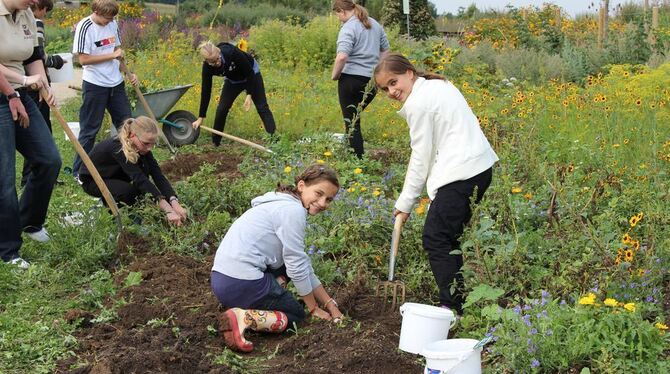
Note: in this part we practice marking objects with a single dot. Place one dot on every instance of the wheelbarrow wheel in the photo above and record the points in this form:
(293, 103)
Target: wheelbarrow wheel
(184, 135)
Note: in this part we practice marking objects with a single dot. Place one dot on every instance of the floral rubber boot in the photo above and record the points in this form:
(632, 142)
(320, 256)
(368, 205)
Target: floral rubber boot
(235, 321)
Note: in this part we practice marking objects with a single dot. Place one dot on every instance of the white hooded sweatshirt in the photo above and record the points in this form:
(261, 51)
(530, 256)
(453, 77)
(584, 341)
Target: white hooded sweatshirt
(270, 234)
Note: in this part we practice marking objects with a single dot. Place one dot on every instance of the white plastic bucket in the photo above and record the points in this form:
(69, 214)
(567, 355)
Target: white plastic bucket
(423, 324)
(74, 126)
(453, 356)
(64, 74)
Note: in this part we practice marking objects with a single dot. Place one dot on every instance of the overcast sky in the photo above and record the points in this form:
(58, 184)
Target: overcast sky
(571, 6)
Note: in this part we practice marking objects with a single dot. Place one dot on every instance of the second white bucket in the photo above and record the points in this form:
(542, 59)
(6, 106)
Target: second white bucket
(453, 356)
(423, 324)
(74, 127)
(65, 73)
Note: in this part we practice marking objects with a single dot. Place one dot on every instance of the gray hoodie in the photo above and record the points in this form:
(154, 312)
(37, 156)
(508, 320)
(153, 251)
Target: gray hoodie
(270, 234)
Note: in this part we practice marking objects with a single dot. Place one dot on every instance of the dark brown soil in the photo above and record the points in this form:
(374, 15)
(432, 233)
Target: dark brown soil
(169, 324)
(185, 165)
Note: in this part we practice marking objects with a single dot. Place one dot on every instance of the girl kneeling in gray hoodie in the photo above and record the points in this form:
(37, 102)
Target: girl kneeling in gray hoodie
(264, 249)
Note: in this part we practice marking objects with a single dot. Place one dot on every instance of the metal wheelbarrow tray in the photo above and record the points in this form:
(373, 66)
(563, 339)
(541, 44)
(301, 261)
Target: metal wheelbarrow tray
(176, 125)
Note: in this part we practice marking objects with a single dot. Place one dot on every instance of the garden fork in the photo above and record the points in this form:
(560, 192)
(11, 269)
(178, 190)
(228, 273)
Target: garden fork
(393, 290)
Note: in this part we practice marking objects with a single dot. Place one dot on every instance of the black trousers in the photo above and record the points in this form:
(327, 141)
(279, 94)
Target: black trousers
(351, 91)
(46, 113)
(448, 214)
(231, 91)
(122, 191)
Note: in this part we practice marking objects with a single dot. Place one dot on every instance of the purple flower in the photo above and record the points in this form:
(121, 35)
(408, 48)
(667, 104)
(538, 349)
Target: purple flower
(545, 294)
(535, 363)
(517, 309)
(549, 332)
(650, 299)
(533, 331)
(527, 307)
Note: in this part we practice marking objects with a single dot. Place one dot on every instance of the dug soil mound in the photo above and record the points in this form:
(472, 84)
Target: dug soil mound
(168, 324)
(185, 165)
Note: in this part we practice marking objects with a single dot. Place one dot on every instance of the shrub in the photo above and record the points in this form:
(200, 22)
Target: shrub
(533, 66)
(245, 17)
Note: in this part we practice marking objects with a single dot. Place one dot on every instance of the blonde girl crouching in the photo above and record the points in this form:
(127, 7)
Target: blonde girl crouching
(130, 170)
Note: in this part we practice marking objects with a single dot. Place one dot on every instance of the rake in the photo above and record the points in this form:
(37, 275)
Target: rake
(392, 291)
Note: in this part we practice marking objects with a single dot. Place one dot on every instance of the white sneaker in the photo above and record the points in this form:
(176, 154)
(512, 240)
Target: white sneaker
(41, 236)
(20, 263)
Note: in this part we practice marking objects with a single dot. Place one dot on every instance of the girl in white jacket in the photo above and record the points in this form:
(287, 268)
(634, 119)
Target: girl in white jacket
(450, 157)
(264, 249)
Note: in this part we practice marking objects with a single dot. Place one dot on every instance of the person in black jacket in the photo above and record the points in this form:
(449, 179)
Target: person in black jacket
(241, 72)
(125, 163)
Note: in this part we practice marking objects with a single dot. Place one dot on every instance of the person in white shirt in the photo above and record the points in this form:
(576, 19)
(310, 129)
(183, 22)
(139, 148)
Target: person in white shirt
(97, 45)
(451, 157)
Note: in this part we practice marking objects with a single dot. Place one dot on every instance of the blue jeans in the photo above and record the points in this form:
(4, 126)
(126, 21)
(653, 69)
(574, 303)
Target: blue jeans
(95, 99)
(282, 300)
(37, 147)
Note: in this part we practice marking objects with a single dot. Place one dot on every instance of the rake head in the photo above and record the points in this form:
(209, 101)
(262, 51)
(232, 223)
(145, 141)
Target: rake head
(392, 293)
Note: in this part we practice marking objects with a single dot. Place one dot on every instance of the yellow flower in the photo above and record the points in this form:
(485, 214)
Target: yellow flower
(626, 239)
(327, 153)
(629, 307)
(243, 45)
(363, 189)
(610, 302)
(528, 195)
(516, 189)
(589, 299)
(376, 193)
(661, 326)
(420, 209)
(351, 189)
(358, 171)
(634, 220)
(320, 162)
(287, 169)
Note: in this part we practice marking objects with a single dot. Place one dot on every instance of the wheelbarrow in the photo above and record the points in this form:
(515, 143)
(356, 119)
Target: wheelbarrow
(176, 125)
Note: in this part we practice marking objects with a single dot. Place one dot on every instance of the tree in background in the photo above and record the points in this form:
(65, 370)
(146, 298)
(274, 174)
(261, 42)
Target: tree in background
(422, 23)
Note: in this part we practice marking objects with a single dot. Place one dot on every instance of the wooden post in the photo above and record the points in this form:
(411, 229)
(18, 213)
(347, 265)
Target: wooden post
(654, 25)
(600, 27)
(606, 15)
(646, 5)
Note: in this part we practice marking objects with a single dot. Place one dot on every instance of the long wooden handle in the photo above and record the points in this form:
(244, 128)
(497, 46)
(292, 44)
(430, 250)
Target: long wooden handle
(150, 112)
(235, 138)
(395, 244)
(147, 109)
(109, 199)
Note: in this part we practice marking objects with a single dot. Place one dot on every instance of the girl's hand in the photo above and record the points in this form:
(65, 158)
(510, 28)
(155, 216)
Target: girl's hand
(133, 79)
(174, 218)
(197, 123)
(400, 215)
(179, 210)
(321, 314)
(34, 82)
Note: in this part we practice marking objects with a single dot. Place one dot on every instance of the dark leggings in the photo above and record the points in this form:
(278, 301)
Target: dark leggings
(122, 191)
(448, 214)
(229, 93)
(351, 91)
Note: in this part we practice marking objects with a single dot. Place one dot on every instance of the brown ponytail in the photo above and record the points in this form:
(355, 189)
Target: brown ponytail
(314, 173)
(360, 12)
(398, 64)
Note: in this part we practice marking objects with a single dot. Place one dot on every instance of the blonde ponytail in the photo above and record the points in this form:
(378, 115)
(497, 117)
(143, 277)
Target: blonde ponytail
(138, 126)
(209, 50)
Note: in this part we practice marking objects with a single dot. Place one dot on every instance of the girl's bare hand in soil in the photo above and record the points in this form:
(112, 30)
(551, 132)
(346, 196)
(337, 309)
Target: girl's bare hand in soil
(179, 209)
(321, 314)
(174, 218)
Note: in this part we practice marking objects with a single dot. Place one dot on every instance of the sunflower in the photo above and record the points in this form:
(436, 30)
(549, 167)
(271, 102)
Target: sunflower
(626, 239)
(628, 255)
